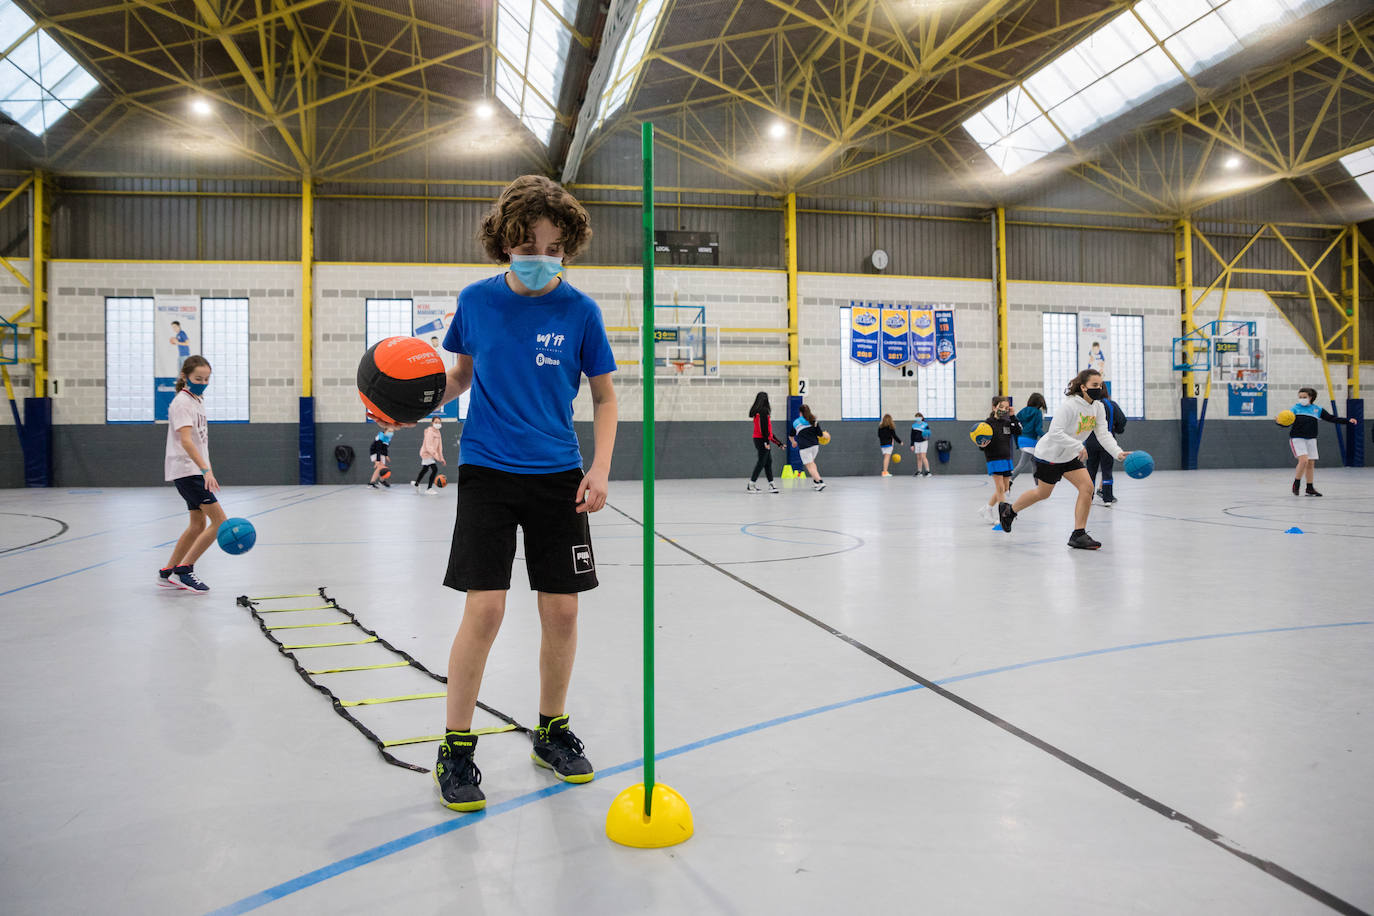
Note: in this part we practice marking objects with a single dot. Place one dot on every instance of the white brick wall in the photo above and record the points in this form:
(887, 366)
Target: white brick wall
(77, 326)
(820, 296)
(733, 298)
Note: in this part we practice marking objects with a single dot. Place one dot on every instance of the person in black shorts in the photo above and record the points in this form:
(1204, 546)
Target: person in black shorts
(524, 339)
(380, 450)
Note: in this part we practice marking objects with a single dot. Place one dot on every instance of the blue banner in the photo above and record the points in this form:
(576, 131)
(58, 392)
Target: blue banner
(864, 322)
(1248, 399)
(896, 341)
(944, 336)
(922, 336)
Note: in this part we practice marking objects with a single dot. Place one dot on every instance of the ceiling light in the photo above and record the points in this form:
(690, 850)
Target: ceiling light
(201, 107)
(1233, 162)
(484, 110)
(777, 130)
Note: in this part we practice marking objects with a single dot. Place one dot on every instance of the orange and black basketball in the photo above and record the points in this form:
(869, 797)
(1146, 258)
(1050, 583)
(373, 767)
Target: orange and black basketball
(401, 379)
(441, 481)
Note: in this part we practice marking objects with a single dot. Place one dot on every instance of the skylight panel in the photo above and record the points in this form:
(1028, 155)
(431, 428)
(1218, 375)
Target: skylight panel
(1118, 67)
(628, 58)
(1361, 167)
(532, 45)
(39, 81)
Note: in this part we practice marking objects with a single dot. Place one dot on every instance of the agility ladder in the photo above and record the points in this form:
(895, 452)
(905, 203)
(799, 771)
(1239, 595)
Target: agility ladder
(341, 706)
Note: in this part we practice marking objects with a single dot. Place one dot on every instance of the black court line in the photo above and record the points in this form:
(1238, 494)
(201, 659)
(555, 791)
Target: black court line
(48, 518)
(1297, 882)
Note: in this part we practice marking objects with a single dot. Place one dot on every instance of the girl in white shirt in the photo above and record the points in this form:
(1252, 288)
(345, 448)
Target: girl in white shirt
(1059, 455)
(187, 466)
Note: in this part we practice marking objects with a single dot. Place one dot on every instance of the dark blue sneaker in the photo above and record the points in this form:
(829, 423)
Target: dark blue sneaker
(185, 577)
(556, 748)
(164, 578)
(456, 775)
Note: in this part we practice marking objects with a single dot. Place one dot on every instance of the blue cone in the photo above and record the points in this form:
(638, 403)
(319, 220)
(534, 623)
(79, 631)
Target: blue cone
(1294, 530)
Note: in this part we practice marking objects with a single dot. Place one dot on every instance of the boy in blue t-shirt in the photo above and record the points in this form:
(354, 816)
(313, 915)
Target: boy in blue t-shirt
(524, 339)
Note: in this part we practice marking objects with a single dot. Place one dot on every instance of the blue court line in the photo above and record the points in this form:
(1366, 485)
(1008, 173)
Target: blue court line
(154, 547)
(82, 537)
(409, 840)
(60, 576)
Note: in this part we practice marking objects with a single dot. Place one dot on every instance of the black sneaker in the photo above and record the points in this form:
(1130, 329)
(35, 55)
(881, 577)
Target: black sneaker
(164, 578)
(185, 577)
(1296, 483)
(373, 485)
(1006, 515)
(556, 748)
(1083, 541)
(1312, 491)
(457, 776)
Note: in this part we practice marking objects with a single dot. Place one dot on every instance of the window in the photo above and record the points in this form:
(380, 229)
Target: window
(861, 390)
(629, 58)
(129, 360)
(1059, 333)
(388, 318)
(1361, 168)
(532, 42)
(224, 342)
(39, 82)
(1119, 66)
(1128, 364)
(935, 391)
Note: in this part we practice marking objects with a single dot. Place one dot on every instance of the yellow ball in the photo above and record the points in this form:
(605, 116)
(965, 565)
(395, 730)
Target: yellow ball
(824, 439)
(896, 458)
(1285, 418)
(981, 434)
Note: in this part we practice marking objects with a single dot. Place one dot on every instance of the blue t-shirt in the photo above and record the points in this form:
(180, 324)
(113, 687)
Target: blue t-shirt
(528, 357)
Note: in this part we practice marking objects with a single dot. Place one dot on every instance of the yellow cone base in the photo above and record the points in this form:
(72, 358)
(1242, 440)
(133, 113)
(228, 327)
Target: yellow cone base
(669, 824)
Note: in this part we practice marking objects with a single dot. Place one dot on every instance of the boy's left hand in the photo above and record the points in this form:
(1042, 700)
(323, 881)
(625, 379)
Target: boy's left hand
(591, 492)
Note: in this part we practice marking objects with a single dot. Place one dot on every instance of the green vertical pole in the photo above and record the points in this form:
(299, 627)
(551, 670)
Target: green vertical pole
(647, 345)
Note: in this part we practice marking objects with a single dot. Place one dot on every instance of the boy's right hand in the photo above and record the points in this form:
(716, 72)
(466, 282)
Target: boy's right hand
(387, 425)
(211, 483)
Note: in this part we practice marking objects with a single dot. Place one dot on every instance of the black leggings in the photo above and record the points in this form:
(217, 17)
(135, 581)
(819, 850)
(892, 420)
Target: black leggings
(431, 469)
(1100, 458)
(765, 462)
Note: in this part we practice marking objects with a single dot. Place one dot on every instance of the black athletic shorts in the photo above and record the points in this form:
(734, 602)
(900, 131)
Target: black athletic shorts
(192, 489)
(558, 538)
(1046, 472)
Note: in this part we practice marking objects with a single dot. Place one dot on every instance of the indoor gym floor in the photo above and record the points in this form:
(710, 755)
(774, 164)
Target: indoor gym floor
(873, 703)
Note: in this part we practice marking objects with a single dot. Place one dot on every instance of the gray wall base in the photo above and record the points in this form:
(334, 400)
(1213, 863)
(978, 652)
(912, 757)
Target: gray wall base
(99, 455)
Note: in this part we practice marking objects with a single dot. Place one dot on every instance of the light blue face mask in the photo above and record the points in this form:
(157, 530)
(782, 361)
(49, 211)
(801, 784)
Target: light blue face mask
(197, 389)
(535, 271)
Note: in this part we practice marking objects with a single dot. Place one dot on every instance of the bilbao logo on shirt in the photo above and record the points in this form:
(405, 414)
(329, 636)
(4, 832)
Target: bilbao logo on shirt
(1087, 421)
(548, 348)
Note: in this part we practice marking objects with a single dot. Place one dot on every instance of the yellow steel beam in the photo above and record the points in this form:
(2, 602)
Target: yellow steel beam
(307, 286)
(211, 16)
(1003, 306)
(39, 253)
(793, 333)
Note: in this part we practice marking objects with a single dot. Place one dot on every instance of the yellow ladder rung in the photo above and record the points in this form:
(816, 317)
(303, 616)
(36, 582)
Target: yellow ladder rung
(327, 645)
(280, 597)
(360, 668)
(287, 610)
(306, 626)
(373, 701)
(425, 739)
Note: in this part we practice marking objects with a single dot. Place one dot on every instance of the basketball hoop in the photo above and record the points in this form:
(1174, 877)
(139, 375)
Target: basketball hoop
(680, 365)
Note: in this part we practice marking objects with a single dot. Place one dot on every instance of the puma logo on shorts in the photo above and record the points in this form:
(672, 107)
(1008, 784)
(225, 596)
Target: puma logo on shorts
(582, 559)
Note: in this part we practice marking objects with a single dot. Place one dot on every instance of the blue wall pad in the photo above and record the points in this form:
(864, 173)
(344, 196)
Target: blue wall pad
(307, 442)
(37, 442)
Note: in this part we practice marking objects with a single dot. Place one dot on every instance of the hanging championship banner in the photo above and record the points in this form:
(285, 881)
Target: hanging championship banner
(1095, 343)
(432, 316)
(863, 332)
(176, 335)
(896, 340)
(944, 336)
(923, 336)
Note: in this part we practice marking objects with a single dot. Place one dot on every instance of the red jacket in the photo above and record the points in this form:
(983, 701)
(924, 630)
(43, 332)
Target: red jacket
(763, 428)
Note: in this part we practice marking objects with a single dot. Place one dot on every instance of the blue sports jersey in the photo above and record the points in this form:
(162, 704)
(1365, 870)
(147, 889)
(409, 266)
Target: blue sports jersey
(528, 357)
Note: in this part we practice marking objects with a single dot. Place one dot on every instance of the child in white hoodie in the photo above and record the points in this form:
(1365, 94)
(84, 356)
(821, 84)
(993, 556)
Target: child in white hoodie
(1059, 455)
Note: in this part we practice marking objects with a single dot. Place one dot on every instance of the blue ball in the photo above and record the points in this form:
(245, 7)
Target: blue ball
(1139, 464)
(237, 535)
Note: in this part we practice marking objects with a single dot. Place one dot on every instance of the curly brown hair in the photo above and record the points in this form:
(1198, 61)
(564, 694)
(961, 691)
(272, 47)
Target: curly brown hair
(526, 201)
